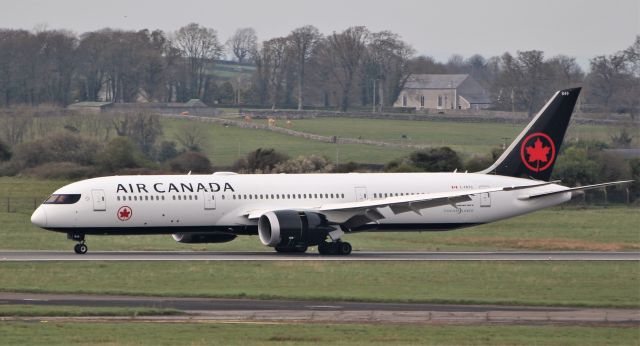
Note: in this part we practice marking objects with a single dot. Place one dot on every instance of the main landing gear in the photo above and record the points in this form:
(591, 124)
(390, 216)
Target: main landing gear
(334, 248)
(80, 248)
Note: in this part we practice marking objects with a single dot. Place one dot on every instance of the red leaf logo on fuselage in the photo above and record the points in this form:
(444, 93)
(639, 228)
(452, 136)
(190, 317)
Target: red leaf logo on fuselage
(538, 152)
(124, 213)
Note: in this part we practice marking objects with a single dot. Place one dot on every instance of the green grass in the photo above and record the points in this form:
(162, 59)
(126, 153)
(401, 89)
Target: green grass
(593, 284)
(225, 145)
(452, 133)
(75, 311)
(58, 333)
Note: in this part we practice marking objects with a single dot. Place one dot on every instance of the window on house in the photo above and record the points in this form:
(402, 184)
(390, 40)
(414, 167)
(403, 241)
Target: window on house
(404, 101)
(422, 101)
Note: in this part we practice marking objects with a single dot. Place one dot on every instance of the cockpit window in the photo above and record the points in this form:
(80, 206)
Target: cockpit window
(62, 199)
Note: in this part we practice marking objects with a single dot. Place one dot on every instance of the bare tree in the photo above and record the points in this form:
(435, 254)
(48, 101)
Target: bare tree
(243, 44)
(200, 46)
(303, 41)
(345, 52)
(192, 136)
(387, 65)
(276, 56)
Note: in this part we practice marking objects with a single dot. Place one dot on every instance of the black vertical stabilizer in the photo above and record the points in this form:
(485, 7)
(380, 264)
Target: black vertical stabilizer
(533, 153)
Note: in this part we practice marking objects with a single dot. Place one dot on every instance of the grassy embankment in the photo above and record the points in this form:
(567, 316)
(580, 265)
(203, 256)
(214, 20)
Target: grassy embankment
(58, 333)
(224, 145)
(592, 284)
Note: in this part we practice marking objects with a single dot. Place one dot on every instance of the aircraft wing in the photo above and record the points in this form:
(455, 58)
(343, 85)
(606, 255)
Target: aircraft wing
(361, 212)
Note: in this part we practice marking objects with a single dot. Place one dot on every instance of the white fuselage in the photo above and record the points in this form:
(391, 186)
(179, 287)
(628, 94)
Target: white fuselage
(221, 201)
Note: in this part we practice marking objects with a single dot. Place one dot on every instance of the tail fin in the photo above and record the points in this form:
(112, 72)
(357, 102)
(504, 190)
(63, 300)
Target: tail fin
(533, 153)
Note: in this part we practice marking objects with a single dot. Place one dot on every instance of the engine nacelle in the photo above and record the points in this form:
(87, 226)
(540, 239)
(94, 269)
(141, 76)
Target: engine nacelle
(201, 238)
(290, 228)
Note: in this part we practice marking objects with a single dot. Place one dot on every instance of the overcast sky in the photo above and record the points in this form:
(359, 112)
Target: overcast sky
(578, 28)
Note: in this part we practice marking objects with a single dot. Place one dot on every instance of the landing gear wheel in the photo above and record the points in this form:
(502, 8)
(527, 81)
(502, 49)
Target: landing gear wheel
(282, 249)
(326, 248)
(344, 248)
(80, 248)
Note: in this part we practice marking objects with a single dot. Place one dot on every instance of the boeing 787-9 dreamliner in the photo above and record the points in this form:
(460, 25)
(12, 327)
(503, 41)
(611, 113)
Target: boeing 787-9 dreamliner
(291, 212)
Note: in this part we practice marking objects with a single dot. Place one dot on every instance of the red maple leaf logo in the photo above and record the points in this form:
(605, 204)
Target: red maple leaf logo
(538, 152)
(541, 153)
(124, 213)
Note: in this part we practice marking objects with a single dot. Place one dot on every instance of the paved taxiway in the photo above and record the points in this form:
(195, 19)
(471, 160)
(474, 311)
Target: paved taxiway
(27, 256)
(203, 310)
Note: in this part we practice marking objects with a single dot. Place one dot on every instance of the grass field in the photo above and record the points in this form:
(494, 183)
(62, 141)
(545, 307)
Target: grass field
(74, 311)
(593, 284)
(57, 333)
(227, 144)
(466, 137)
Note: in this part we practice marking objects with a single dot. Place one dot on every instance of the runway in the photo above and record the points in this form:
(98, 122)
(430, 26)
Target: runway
(34, 256)
(203, 310)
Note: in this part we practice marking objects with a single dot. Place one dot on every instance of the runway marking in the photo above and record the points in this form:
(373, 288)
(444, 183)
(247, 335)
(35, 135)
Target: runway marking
(35, 256)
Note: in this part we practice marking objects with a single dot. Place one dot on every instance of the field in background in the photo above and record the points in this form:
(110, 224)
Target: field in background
(224, 145)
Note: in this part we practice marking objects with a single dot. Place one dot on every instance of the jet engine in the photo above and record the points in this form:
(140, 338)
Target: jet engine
(200, 238)
(292, 229)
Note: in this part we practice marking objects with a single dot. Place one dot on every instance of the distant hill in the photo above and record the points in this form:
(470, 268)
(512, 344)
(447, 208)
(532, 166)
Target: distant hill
(225, 69)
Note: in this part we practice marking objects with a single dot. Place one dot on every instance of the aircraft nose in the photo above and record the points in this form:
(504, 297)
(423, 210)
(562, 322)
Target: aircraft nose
(39, 217)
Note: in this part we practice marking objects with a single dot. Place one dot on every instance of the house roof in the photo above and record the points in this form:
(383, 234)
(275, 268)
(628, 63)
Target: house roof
(476, 98)
(435, 81)
(195, 103)
(90, 104)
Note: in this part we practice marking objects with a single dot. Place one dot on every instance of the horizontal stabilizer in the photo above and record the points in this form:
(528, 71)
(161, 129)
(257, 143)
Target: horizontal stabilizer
(574, 189)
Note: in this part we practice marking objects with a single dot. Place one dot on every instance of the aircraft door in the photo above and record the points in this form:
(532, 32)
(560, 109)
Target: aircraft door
(361, 193)
(99, 202)
(485, 198)
(209, 201)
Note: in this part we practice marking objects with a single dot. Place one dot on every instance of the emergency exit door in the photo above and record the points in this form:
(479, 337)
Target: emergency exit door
(209, 201)
(485, 198)
(361, 193)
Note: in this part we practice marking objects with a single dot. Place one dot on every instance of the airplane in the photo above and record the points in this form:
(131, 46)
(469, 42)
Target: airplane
(292, 212)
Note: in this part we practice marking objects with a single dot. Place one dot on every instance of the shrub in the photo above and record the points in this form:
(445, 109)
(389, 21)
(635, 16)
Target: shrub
(190, 161)
(120, 153)
(58, 147)
(60, 170)
(259, 161)
(304, 164)
(442, 159)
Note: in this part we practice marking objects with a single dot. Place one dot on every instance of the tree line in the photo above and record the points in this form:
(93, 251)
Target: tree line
(352, 68)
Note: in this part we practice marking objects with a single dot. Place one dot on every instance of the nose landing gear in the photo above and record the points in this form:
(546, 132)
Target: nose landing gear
(80, 248)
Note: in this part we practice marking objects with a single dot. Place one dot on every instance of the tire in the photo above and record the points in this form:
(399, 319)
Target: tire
(80, 249)
(344, 248)
(282, 249)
